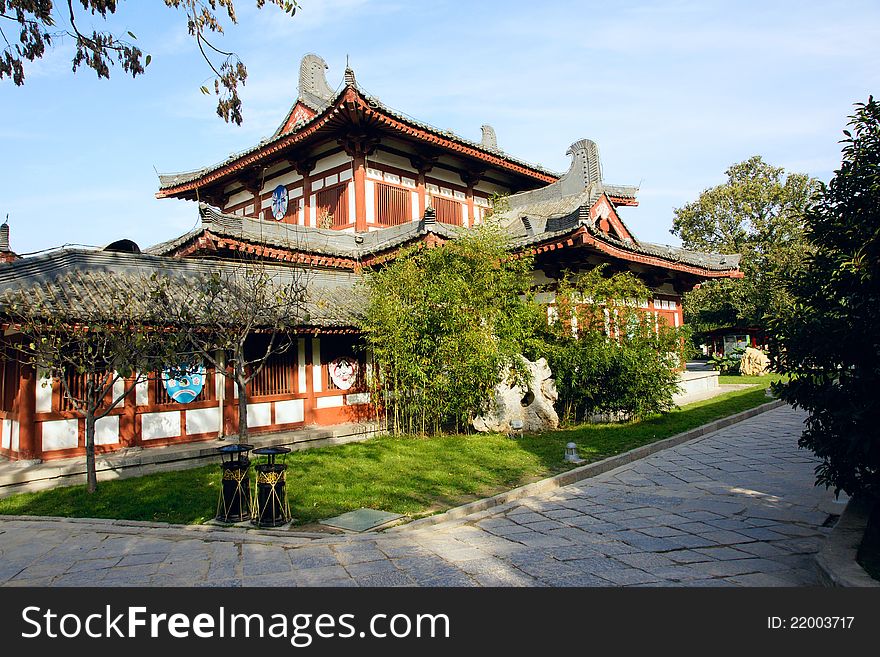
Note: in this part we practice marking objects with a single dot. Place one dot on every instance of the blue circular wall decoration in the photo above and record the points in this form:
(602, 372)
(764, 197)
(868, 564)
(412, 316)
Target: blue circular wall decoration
(184, 384)
(279, 202)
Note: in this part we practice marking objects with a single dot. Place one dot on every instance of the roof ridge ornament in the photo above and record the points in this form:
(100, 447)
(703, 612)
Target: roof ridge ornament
(313, 88)
(350, 80)
(489, 140)
(585, 161)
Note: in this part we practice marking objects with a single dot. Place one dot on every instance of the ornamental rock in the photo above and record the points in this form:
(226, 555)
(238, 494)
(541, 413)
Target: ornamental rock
(527, 406)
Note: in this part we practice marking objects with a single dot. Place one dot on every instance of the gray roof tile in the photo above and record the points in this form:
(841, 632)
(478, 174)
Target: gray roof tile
(73, 281)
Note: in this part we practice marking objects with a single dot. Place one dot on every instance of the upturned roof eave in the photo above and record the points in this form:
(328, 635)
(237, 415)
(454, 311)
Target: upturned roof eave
(172, 185)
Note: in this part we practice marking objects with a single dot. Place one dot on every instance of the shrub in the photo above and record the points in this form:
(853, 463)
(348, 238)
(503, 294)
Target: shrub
(607, 354)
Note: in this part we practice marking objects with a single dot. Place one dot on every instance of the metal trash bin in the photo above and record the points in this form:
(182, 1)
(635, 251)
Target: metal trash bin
(234, 503)
(271, 508)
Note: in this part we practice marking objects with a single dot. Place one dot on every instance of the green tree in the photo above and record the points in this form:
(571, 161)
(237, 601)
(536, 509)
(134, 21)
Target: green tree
(441, 323)
(757, 213)
(830, 338)
(43, 23)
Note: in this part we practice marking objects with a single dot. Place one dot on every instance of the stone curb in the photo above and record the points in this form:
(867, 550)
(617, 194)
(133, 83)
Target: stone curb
(836, 561)
(176, 531)
(583, 472)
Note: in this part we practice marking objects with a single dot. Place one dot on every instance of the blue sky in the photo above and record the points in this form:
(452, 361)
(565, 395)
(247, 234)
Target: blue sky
(673, 93)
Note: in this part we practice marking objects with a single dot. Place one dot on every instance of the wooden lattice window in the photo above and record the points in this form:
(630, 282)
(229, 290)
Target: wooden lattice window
(76, 387)
(332, 207)
(278, 376)
(393, 205)
(448, 211)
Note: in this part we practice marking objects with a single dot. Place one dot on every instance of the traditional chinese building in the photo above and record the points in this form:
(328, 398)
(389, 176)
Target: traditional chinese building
(342, 185)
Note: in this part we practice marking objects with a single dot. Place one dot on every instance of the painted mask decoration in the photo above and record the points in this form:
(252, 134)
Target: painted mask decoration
(184, 384)
(279, 202)
(343, 372)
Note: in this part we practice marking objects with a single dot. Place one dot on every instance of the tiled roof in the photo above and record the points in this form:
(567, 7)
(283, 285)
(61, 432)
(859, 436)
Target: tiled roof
(304, 238)
(72, 282)
(169, 180)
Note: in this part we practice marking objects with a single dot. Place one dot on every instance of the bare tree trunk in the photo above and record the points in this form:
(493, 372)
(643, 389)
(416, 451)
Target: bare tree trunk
(91, 473)
(242, 409)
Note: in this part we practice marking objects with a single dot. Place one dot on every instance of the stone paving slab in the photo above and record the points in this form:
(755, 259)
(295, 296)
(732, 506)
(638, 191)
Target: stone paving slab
(736, 507)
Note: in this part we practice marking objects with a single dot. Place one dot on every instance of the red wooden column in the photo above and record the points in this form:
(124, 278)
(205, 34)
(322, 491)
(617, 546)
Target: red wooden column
(422, 163)
(27, 403)
(360, 192)
(309, 401)
(304, 167)
(421, 190)
(470, 179)
(358, 147)
(127, 421)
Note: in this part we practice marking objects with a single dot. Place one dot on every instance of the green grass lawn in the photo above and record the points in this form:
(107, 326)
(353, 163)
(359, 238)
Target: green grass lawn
(412, 476)
(762, 380)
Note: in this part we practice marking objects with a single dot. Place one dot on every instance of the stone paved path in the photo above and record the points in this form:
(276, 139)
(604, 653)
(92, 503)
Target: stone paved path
(736, 507)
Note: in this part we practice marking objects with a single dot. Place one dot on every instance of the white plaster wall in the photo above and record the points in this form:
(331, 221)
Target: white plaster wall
(285, 179)
(287, 412)
(107, 430)
(446, 176)
(160, 425)
(325, 163)
(241, 197)
(6, 434)
(259, 415)
(316, 364)
(357, 398)
(275, 168)
(301, 364)
(329, 402)
(393, 160)
(415, 206)
(14, 429)
(370, 200)
(202, 420)
(140, 393)
(60, 434)
(489, 188)
(44, 395)
(351, 204)
(118, 389)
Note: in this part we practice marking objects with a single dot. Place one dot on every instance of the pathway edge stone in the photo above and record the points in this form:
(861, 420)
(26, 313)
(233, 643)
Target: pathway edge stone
(836, 561)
